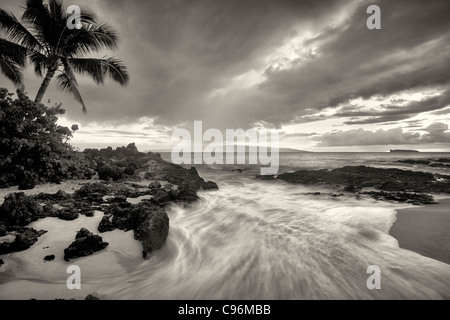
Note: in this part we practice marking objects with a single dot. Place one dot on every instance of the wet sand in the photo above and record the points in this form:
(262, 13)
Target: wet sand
(425, 230)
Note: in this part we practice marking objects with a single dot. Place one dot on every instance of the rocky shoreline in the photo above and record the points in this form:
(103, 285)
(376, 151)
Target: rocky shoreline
(146, 178)
(395, 185)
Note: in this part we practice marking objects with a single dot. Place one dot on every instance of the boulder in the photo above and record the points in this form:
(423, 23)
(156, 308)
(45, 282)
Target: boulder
(154, 185)
(149, 222)
(19, 209)
(107, 172)
(162, 196)
(117, 199)
(105, 224)
(67, 214)
(92, 192)
(53, 198)
(85, 244)
(210, 185)
(186, 194)
(152, 232)
(24, 238)
(49, 257)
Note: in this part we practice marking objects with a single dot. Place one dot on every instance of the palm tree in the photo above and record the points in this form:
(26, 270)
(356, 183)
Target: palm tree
(43, 38)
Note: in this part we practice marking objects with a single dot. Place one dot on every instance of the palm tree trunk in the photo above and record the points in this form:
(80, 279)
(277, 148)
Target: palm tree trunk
(50, 73)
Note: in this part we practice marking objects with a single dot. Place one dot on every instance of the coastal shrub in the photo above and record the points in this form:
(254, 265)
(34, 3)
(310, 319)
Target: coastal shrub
(117, 163)
(33, 147)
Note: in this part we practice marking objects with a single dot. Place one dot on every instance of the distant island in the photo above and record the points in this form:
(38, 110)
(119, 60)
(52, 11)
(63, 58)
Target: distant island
(403, 151)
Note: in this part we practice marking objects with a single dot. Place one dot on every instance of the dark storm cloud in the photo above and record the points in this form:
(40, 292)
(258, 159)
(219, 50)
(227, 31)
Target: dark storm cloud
(181, 54)
(411, 51)
(434, 133)
(178, 52)
(395, 113)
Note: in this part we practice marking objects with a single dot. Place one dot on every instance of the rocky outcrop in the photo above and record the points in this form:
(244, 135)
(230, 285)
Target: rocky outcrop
(19, 210)
(149, 222)
(415, 161)
(210, 185)
(440, 163)
(158, 169)
(148, 219)
(20, 239)
(92, 192)
(85, 244)
(105, 224)
(381, 178)
(402, 197)
(397, 185)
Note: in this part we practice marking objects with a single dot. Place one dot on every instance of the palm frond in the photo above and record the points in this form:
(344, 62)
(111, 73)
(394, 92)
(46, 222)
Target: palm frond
(13, 52)
(39, 62)
(97, 69)
(68, 70)
(56, 10)
(47, 22)
(67, 84)
(91, 37)
(17, 31)
(11, 70)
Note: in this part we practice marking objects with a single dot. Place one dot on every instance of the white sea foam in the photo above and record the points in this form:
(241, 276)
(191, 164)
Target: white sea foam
(251, 239)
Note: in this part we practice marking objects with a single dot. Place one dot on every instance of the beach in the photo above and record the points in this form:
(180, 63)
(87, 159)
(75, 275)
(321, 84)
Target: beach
(425, 230)
(249, 239)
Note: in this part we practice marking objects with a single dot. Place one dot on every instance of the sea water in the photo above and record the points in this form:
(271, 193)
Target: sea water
(256, 239)
(251, 239)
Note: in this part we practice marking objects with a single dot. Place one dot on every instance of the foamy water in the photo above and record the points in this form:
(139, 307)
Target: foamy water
(251, 239)
(260, 240)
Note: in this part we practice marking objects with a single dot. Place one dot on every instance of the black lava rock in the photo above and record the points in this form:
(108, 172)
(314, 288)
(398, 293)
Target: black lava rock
(85, 244)
(210, 185)
(49, 257)
(19, 209)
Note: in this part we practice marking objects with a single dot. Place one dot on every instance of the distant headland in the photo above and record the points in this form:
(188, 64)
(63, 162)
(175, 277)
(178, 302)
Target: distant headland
(403, 151)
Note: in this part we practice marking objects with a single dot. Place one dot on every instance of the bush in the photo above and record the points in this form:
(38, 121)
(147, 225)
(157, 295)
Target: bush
(33, 148)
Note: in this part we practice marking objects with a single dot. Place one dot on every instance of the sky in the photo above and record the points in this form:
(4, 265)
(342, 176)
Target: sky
(311, 70)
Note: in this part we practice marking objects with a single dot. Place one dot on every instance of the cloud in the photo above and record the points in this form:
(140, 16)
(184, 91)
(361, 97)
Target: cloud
(297, 134)
(435, 133)
(233, 63)
(396, 112)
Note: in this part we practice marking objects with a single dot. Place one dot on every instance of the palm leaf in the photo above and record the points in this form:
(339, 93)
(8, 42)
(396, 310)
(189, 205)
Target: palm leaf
(48, 22)
(99, 68)
(11, 70)
(68, 70)
(68, 84)
(17, 32)
(56, 10)
(12, 51)
(39, 62)
(91, 37)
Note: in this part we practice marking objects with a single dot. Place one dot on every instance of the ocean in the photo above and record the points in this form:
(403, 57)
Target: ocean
(256, 239)
(251, 239)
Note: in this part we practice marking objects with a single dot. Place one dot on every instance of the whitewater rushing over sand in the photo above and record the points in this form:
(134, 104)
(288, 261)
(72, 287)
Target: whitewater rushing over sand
(251, 239)
(259, 240)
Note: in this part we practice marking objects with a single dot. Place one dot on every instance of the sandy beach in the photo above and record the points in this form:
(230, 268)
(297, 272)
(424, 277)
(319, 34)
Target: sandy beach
(425, 230)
